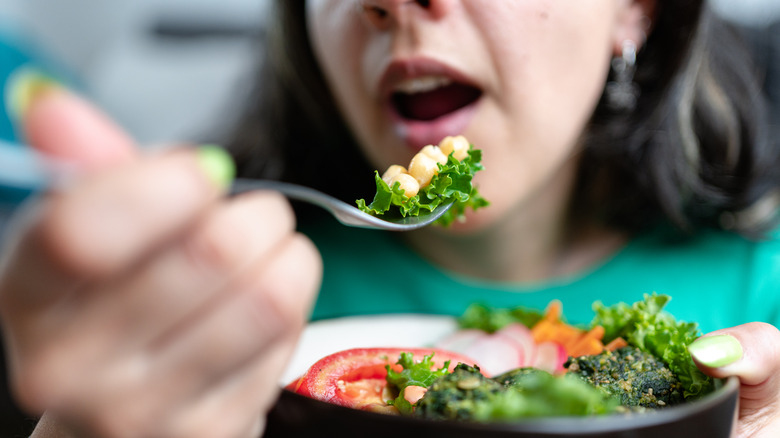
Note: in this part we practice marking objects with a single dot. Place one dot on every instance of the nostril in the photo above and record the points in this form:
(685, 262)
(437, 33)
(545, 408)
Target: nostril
(375, 11)
(375, 15)
(382, 13)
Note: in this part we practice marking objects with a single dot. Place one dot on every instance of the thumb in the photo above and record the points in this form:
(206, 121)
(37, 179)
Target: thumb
(61, 124)
(752, 353)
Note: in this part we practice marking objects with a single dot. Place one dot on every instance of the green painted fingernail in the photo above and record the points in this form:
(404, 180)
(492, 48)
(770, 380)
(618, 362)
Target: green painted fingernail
(217, 164)
(23, 87)
(716, 351)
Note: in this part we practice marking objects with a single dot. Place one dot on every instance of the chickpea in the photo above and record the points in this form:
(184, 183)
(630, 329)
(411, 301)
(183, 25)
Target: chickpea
(457, 146)
(423, 168)
(446, 144)
(408, 184)
(436, 153)
(391, 172)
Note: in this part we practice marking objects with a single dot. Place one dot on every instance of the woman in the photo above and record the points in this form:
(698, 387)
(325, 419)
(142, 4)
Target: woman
(147, 330)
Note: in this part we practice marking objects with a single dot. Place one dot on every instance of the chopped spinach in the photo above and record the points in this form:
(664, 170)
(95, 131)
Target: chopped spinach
(466, 394)
(635, 377)
(488, 319)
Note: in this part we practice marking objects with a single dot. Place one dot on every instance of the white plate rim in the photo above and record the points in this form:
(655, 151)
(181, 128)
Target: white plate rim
(328, 336)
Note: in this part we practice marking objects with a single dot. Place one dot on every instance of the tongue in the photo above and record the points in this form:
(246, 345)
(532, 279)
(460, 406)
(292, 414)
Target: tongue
(436, 103)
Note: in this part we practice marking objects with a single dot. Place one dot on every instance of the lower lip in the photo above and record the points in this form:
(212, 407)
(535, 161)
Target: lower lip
(418, 134)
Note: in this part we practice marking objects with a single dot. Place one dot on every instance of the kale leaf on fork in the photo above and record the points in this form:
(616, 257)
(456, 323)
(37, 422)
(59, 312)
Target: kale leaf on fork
(453, 181)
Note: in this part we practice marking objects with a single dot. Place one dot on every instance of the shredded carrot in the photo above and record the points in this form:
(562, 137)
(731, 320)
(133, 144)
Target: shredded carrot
(576, 342)
(615, 344)
(554, 311)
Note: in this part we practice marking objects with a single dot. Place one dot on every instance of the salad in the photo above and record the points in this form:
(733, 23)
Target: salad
(507, 364)
(436, 174)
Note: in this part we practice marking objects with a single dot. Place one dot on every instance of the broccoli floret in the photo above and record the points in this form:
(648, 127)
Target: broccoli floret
(517, 376)
(456, 395)
(636, 378)
(467, 395)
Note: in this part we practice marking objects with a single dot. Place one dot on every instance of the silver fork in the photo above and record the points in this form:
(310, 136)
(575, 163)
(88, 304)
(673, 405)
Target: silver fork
(345, 213)
(23, 168)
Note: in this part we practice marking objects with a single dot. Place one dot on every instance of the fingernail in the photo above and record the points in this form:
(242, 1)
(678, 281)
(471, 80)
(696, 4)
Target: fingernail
(217, 164)
(24, 86)
(716, 351)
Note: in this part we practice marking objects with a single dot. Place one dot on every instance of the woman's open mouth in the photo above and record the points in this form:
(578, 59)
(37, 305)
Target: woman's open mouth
(427, 108)
(431, 97)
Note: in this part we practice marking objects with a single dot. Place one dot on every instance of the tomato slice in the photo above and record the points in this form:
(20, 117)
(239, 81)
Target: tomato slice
(356, 378)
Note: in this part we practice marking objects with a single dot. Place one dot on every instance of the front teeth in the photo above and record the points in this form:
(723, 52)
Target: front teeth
(422, 84)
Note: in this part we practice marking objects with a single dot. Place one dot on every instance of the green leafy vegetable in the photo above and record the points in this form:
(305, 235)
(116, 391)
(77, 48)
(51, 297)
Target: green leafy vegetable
(655, 371)
(466, 394)
(452, 182)
(646, 325)
(544, 395)
(488, 319)
(412, 374)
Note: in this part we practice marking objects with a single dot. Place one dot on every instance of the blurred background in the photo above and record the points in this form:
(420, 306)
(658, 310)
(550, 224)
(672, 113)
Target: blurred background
(180, 69)
(163, 68)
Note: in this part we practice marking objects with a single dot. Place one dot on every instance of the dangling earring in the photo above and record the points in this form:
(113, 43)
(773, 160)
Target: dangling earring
(622, 93)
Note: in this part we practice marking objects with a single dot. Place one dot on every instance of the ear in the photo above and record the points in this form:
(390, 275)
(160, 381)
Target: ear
(634, 22)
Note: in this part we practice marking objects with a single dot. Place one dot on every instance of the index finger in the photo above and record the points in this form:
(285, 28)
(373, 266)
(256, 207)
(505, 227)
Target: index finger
(61, 124)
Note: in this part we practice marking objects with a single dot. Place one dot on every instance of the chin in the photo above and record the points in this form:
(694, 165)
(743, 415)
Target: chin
(473, 222)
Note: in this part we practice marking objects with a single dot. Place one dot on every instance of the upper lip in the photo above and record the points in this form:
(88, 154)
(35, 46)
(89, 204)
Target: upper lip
(400, 70)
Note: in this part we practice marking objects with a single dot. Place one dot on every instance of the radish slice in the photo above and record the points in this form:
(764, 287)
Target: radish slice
(511, 347)
(460, 340)
(525, 340)
(550, 356)
(495, 353)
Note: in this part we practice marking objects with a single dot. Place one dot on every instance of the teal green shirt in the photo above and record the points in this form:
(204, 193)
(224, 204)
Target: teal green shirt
(715, 278)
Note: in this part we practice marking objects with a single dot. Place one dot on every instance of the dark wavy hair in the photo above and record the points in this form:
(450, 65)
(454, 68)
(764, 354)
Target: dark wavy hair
(695, 152)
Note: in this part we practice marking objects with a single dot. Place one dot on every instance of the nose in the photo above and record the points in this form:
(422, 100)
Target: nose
(383, 14)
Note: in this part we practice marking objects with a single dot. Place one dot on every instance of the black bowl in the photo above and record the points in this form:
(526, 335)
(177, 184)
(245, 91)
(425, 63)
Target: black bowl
(295, 415)
(712, 416)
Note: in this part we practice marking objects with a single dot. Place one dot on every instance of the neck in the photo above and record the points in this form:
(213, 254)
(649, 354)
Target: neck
(531, 242)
